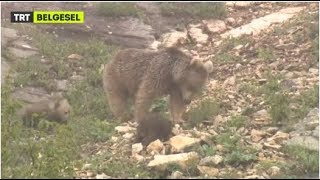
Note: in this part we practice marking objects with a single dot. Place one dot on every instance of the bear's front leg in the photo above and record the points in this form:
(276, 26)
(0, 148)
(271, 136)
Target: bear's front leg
(143, 101)
(177, 106)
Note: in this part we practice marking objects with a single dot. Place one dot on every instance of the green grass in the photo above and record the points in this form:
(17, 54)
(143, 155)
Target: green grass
(59, 154)
(235, 153)
(189, 171)
(225, 54)
(226, 58)
(215, 10)
(229, 174)
(250, 88)
(265, 165)
(279, 108)
(266, 54)
(53, 150)
(240, 156)
(248, 111)
(117, 9)
(206, 150)
(33, 73)
(306, 161)
(121, 167)
(315, 48)
(281, 112)
(229, 43)
(273, 83)
(278, 101)
(237, 121)
(307, 100)
(204, 111)
(160, 105)
(28, 153)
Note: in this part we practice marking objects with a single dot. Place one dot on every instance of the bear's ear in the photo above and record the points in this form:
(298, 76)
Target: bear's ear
(208, 66)
(195, 63)
(57, 104)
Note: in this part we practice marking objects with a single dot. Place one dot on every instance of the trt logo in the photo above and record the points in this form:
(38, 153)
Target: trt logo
(21, 17)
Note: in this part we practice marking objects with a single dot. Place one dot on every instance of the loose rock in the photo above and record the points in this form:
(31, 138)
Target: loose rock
(182, 159)
(211, 160)
(155, 146)
(179, 142)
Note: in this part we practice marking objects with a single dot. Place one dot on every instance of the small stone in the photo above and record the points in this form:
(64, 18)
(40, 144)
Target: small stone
(238, 65)
(102, 176)
(315, 132)
(215, 26)
(272, 130)
(75, 56)
(114, 139)
(210, 171)
(212, 132)
(312, 125)
(90, 174)
(211, 160)
(274, 170)
(257, 146)
(155, 146)
(262, 81)
(231, 21)
(173, 38)
(199, 46)
(273, 146)
(179, 143)
(198, 36)
(240, 46)
(229, 81)
(137, 148)
(253, 177)
(83, 175)
(220, 147)
(9, 33)
(176, 175)
(22, 53)
(86, 166)
(154, 45)
(314, 71)
(182, 159)
(128, 135)
(124, 129)
(62, 85)
(138, 157)
(261, 115)
(214, 84)
(289, 75)
(257, 135)
(279, 137)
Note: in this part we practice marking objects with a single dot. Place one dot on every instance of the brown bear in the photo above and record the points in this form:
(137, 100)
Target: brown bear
(56, 108)
(144, 75)
(153, 126)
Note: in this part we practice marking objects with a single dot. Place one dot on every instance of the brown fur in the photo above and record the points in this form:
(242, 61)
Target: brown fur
(152, 127)
(145, 75)
(54, 109)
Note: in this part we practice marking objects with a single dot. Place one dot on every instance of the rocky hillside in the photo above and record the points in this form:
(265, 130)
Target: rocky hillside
(257, 117)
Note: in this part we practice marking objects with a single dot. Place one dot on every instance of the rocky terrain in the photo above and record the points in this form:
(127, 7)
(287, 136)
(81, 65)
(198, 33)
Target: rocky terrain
(257, 118)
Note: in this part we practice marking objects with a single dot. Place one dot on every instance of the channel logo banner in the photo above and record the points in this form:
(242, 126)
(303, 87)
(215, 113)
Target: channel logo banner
(48, 17)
